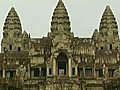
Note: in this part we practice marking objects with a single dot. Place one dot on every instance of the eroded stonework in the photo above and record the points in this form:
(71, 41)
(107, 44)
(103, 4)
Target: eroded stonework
(59, 61)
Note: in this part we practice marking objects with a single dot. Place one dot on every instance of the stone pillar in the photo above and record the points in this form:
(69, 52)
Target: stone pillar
(4, 69)
(3, 72)
(118, 59)
(105, 71)
(76, 72)
(47, 71)
(29, 71)
(69, 65)
(39, 71)
(83, 87)
(54, 67)
(94, 73)
(83, 71)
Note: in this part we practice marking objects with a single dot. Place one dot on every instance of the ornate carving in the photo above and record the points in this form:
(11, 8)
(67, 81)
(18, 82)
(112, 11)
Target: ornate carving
(61, 39)
(117, 73)
(105, 71)
(20, 72)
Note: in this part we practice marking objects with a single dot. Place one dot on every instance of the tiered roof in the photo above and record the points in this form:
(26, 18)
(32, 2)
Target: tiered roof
(12, 22)
(60, 17)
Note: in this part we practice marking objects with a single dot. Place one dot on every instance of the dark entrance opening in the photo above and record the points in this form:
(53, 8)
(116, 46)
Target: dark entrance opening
(62, 62)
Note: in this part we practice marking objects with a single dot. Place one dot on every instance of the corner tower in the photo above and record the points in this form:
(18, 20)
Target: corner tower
(108, 31)
(12, 32)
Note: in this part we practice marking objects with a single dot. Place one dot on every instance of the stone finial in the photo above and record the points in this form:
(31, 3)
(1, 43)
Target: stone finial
(60, 0)
(12, 12)
(60, 4)
(12, 9)
(108, 11)
(95, 33)
(108, 8)
(25, 34)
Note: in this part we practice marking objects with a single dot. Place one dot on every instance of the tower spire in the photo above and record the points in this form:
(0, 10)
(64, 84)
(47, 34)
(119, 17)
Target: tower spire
(108, 21)
(60, 18)
(12, 35)
(12, 21)
(60, 0)
(108, 31)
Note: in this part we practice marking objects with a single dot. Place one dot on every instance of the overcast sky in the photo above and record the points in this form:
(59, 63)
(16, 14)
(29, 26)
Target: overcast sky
(35, 15)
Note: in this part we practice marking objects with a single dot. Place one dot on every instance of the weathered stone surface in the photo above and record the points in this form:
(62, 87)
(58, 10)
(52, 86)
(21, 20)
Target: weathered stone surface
(59, 61)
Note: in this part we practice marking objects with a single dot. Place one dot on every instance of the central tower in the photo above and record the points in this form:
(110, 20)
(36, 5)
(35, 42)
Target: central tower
(61, 36)
(60, 27)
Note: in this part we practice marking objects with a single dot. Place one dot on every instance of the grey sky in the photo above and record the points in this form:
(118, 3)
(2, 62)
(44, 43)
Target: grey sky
(36, 15)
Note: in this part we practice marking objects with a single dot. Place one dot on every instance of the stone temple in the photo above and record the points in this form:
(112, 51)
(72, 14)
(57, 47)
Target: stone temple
(59, 61)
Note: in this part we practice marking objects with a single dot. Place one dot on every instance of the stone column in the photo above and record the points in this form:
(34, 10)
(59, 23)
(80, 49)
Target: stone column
(83, 71)
(118, 57)
(4, 69)
(39, 71)
(94, 73)
(83, 87)
(29, 71)
(54, 67)
(3, 72)
(69, 65)
(76, 72)
(47, 71)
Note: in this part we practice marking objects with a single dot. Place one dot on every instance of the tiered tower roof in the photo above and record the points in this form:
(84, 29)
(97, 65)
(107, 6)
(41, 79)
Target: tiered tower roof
(108, 21)
(12, 22)
(60, 17)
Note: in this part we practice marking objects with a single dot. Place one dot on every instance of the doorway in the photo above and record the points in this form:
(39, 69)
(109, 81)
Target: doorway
(62, 64)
